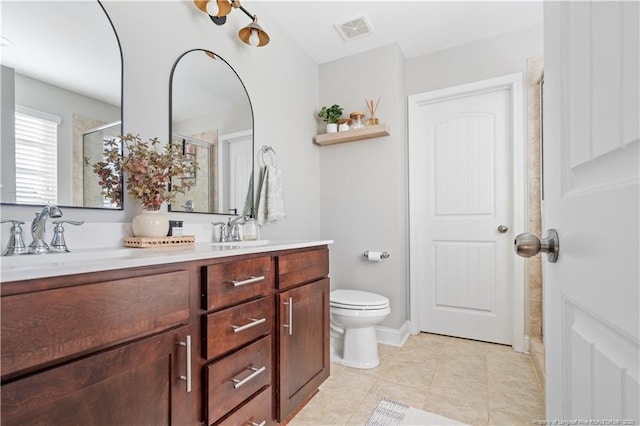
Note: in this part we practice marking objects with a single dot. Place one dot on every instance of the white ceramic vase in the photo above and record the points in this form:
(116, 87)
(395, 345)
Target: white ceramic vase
(150, 224)
(332, 127)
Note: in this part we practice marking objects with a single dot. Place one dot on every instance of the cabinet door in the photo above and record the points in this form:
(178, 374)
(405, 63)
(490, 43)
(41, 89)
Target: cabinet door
(303, 348)
(135, 384)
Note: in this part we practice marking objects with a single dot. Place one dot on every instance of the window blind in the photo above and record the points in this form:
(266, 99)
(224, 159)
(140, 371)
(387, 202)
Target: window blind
(36, 156)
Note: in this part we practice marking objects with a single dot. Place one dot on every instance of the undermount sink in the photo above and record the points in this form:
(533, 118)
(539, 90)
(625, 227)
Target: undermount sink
(79, 255)
(243, 244)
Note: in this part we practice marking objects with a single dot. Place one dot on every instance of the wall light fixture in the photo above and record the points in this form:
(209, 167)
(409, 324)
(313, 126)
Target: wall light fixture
(252, 34)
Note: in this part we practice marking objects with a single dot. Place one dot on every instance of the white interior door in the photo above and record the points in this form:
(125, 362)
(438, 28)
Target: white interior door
(461, 227)
(237, 151)
(591, 139)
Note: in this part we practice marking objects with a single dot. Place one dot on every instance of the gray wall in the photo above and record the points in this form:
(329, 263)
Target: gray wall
(363, 195)
(492, 57)
(364, 184)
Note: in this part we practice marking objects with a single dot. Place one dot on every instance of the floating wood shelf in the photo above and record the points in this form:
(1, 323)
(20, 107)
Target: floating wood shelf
(353, 135)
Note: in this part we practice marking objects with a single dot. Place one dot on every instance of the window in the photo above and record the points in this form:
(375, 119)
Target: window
(36, 156)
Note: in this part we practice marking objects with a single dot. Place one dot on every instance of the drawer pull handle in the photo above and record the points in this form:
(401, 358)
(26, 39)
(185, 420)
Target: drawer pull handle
(252, 423)
(250, 280)
(253, 323)
(256, 372)
(290, 325)
(187, 378)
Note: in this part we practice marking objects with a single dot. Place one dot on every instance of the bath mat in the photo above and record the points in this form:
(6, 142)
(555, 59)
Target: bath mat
(389, 413)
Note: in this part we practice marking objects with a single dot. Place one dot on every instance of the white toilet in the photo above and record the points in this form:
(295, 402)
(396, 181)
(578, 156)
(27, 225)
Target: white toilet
(354, 315)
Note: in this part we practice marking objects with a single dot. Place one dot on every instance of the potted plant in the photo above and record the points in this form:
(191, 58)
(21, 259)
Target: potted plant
(148, 172)
(331, 115)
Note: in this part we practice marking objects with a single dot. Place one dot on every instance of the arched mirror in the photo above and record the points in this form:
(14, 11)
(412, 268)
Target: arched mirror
(61, 96)
(212, 118)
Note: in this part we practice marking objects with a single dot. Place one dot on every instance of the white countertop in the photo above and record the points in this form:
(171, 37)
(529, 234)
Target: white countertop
(25, 267)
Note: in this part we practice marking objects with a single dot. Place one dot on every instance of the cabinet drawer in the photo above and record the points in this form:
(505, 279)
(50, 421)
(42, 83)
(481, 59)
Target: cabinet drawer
(236, 377)
(302, 267)
(229, 283)
(255, 411)
(43, 327)
(233, 327)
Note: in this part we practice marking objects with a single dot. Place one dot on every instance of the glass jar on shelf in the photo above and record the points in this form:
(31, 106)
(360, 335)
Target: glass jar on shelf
(357, 119)
(344, 124)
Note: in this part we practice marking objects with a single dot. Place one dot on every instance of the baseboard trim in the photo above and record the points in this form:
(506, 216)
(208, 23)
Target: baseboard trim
(393, 336)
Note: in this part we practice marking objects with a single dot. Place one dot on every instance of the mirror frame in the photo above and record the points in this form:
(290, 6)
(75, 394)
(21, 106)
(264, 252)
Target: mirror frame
(253, 137)
(115, 33)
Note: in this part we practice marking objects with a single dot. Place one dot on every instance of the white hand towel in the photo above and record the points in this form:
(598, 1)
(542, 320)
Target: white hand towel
(249, 208)
(270, 196)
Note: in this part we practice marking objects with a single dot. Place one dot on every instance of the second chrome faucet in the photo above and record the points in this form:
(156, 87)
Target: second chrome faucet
(39, 245)
(230, 231)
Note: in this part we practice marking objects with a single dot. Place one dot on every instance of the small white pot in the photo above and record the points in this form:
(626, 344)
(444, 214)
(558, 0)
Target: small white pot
(150, 223)
(332, 127)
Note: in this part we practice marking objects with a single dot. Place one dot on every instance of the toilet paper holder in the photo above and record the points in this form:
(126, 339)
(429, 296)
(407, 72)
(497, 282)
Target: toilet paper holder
(383, 255)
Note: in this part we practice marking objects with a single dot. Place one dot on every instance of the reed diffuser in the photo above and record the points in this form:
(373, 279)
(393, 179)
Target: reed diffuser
(372, 120)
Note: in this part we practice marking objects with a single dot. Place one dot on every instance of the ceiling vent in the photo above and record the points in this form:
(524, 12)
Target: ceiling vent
(354, 28)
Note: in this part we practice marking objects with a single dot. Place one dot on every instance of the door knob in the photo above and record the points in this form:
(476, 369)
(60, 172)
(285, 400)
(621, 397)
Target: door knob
(527, 245)
(503, 229)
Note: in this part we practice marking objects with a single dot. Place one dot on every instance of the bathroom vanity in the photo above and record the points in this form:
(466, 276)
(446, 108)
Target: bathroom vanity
(214, 334)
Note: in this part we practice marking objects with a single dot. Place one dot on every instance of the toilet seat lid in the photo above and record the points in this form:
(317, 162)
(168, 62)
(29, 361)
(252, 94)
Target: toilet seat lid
(357, 299)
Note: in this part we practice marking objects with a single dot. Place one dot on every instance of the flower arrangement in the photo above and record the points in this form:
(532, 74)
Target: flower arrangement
(148, 171)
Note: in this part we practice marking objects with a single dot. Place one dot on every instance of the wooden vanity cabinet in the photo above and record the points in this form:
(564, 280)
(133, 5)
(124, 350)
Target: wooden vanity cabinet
(117, 347)
(102, 348)
(303, 328)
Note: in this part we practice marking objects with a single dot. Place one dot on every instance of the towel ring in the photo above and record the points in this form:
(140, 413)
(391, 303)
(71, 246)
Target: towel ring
(269, 149)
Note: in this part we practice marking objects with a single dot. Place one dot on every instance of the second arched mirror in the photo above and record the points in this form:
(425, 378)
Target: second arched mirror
(211, 117)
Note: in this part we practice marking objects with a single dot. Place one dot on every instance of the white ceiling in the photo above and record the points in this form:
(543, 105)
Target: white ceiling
(419, 27)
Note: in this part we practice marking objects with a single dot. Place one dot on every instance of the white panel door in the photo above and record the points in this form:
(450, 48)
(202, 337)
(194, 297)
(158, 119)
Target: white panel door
(461, 162)
(591, 137)
(237, 152)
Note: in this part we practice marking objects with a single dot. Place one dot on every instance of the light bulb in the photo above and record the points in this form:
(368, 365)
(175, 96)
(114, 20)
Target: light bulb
(212, 8)
(254, 40)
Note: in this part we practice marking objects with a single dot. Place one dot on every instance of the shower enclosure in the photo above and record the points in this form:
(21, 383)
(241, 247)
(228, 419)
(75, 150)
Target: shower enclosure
(93, 144)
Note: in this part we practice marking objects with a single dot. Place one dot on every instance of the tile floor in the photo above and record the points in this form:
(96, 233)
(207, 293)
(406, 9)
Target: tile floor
(472, 382)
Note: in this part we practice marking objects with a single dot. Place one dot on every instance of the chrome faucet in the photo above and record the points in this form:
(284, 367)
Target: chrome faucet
(189, 206)
(223, 232)
(39, 245)
(16, 245)
(58, 244)
(234, 228)
(230, 231)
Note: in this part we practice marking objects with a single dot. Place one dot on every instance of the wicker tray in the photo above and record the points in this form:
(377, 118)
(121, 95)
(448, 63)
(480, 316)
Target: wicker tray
(174, 241)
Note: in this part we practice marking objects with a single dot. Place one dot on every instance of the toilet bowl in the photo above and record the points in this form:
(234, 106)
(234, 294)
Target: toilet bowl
(354, 315)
